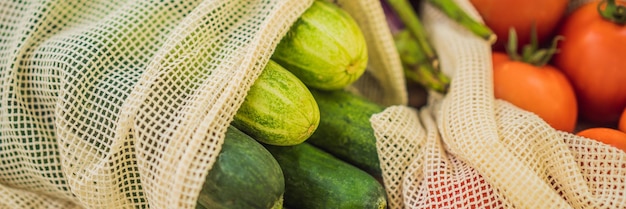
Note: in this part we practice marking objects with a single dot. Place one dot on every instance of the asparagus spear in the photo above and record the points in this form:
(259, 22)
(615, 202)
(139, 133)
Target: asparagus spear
(414, 65)
(453, 11)
(418, 57)
(408, 16)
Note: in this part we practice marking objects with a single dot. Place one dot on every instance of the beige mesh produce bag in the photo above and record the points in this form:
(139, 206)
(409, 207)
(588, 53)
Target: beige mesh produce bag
(468, 150)
(124, 104)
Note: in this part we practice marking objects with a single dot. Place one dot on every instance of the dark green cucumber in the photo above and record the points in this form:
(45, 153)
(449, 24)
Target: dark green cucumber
(325, 48)
(279, 109)
(245, 176)
(345, 130)
(315, 179)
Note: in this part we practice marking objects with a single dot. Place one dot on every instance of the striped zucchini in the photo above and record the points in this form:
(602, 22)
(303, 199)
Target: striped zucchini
(325, 48)
(279, 109)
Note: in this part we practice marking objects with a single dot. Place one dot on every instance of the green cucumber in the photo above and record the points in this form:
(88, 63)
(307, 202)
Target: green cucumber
(279, 109)
(244, 176)
(315, 179)
(325, 48)
(345, 130)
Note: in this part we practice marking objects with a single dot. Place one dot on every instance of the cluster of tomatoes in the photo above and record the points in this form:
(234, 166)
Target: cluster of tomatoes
(571, 72)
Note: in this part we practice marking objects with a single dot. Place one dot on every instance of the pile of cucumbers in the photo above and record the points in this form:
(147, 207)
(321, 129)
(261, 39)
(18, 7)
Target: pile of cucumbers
(299, 140)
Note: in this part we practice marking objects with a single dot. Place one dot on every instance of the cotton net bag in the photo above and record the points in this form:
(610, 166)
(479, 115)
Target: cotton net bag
(468, 150)
(125, 104)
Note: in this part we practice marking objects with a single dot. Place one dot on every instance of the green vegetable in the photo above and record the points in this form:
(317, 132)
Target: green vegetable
(325, 48)
(413, 23)
(414, 65)
(419, 58)
(451, 9)
(245, 176)
(314, 179)
(279, 109)
(345, 130)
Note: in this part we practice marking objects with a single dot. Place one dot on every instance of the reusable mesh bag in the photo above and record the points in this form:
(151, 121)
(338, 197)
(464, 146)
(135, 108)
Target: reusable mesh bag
(124, 104)
(469, 150)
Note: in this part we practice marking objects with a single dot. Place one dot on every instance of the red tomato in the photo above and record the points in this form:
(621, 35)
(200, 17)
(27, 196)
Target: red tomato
(608, 136)
(498, 58)
(500, 15)
(544, 91)
(622, 121)
(592, 56)
(446, 191)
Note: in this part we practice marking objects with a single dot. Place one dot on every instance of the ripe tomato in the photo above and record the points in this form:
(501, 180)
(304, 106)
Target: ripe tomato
(501, 15)
(498, 58)
(608, 136)
(543, 90)
(592, 56)
(622, 121)
(445, 191)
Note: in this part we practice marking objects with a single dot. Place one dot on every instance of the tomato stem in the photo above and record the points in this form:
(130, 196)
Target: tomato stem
(511, 47)
(612, 11)
(531, 53)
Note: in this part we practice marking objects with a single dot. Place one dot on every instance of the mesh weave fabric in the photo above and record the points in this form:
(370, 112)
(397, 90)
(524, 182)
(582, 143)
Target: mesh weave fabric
(124, 104)
(468, 150)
